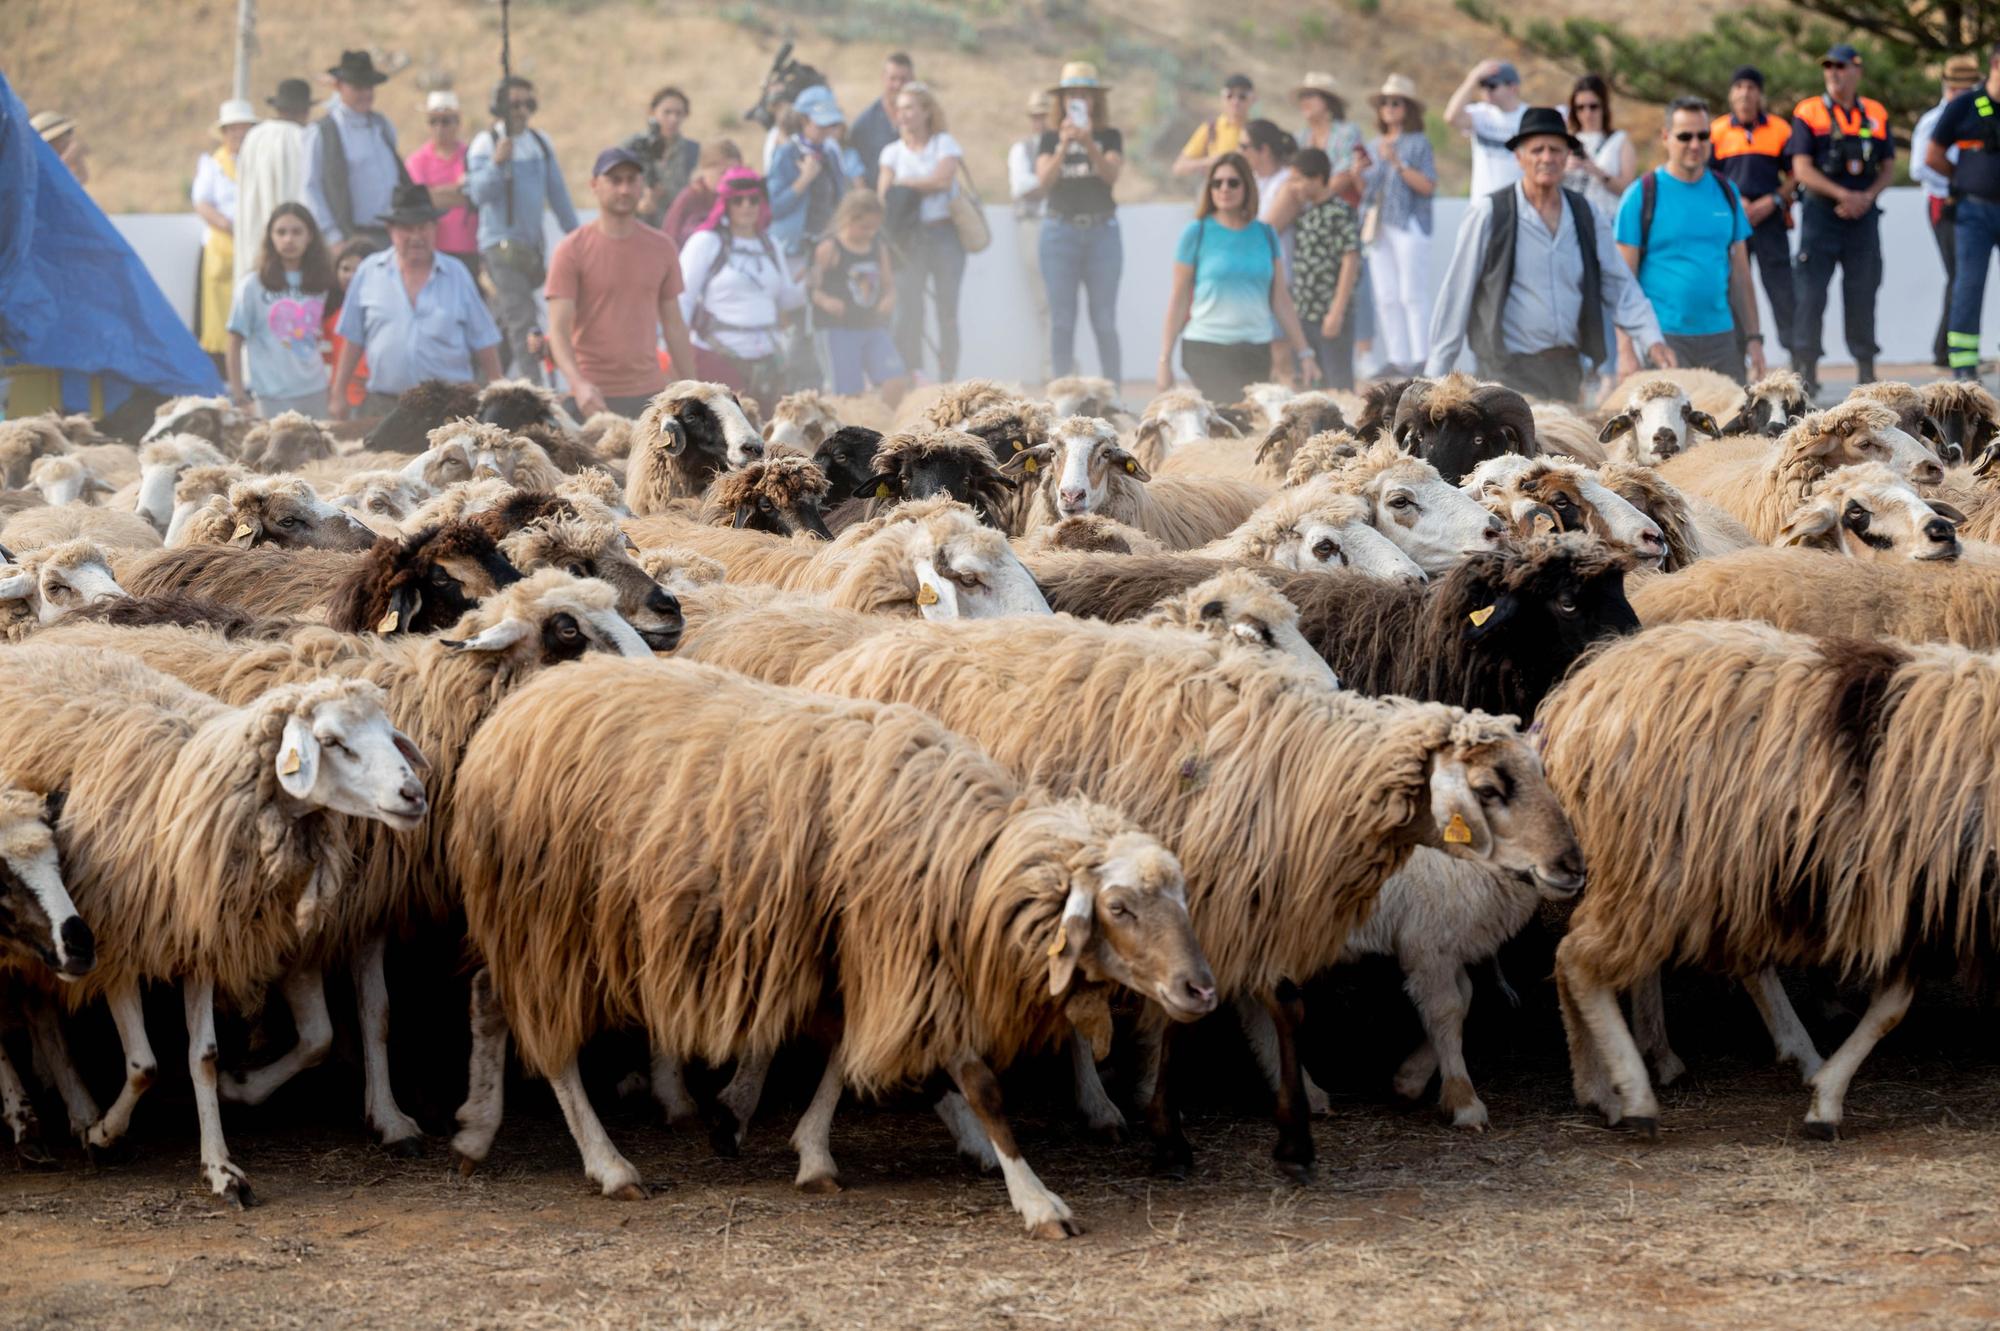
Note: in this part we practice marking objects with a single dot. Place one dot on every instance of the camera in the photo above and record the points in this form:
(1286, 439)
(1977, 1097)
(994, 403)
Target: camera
(787, 79)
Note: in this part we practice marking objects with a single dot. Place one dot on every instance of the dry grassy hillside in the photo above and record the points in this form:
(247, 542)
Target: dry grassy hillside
(144, 77)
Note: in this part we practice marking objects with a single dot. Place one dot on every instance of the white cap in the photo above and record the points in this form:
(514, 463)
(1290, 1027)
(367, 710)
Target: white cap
(235, 111)
(444, 99)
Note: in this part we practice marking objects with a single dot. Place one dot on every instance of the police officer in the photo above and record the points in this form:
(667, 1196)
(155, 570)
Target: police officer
(1842, 155)
(1971, 123)
(1749, 146)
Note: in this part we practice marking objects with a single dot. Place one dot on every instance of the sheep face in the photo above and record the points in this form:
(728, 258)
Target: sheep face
(1771, 406)
(290, 515)
(286, 443)
(1968, 419)
(1658, 424)
(62, 480)
(1555, 604)
(585, 549)
(1125, 921)
(1868, 512)
(1319, 543)
(965, 571)
(445, 463)
(386, 496)
(780, 495)
(1176, 417)
(22, 442)
(1491, 803)
(160, 466)
(1077, 466)
(847, 457)
(1238, 607)
(339, 752)
(801, 422)
(515, 404)
(51, 583)
(1455, 423)
(1860, 432)
(1433, 522)
(426, 582)
(38, 921)
(1298, 421)
(712, 423)
(943, 464)
(550, 618)
(1535, 495)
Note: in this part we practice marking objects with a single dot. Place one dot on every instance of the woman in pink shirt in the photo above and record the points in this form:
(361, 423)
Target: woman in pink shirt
(440, 164)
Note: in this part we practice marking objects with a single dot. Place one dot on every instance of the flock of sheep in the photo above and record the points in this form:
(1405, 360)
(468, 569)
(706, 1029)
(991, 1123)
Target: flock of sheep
(1000, 724)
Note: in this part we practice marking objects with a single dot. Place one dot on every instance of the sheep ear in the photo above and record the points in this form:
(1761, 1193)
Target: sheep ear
(17, 587)
(676, 435)
(1614, 427)
(1947, 511)
(404, 603)
(412, 755)
(245, 535)
(298, 758)
(1026, 462)
(1236, 419)
(1811, 526)
(100, 486)
(1461, 823)
(744, 512)
(496, 639)
(1984, 462)
(882, 485)
(1489, 619)
(52, 806)
(1130, 465)
(1072, 937)
(1701, 420)
(1927, 428)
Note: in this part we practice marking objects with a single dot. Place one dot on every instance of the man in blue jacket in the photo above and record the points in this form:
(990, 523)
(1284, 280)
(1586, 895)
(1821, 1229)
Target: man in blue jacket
(511, 174)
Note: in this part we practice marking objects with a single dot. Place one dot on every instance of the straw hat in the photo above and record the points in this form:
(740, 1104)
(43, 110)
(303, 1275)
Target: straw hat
(1079, 76)
(1397, 85)
(235, 111)
(1322, 83)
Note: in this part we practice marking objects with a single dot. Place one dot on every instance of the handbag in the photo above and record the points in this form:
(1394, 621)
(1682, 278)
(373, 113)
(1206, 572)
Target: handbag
(968, 214)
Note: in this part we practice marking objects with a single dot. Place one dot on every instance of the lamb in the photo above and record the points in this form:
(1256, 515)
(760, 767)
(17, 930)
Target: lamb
(437, 691)
(1543, 494)
(1331, 789)
(197, 836)
(801, 422)
(1655, 424)
(108, 527)
(780, 495)
(1298, 420)
(420, 584)
(1456, 423)
(689, 433)
(1870, 512)
(281, 512)
(1761, 484)
(926, 464)
(1712, 394)
(1692, 528)
(1912, 417)
(1967, 417)
(64, 480)
(1090, 533)
(1087, 471)
(1313, 527)
(1177, 418)
(161, 462)
(1803, 801)
(967, 913)
(1771, 406)
(1081, 395)
(39, 587)
(285, 443)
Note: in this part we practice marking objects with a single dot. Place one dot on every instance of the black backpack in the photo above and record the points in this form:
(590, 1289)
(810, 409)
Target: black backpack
(1649, 199)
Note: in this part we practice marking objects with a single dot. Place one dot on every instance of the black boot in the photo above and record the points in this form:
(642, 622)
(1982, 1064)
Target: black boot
(1864, 371)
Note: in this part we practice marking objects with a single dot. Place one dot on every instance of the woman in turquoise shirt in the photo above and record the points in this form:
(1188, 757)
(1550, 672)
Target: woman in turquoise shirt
(1228, 288)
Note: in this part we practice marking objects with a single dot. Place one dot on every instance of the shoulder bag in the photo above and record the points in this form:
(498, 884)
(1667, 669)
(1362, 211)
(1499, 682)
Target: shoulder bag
(968, 213)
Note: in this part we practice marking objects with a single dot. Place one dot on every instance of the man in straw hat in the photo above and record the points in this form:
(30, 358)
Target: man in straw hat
(1532, 272)
(1030, 203)
(352, 166)
(214, 199)
(1078, 162)
(413, 315)
(59, 132)
(1971, 124)
(271, 166)
(1961, 73)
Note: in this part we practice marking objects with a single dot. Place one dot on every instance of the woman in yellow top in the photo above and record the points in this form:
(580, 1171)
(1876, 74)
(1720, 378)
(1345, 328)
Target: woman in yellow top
(214, 196)
(1217, 138)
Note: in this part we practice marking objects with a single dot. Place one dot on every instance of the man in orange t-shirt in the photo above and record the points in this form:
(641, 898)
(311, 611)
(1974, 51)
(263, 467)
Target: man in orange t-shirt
(614, 288)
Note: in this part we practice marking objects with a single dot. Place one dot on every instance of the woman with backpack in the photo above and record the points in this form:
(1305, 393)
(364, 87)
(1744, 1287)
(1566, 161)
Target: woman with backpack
(737, 290)
(1229, 287)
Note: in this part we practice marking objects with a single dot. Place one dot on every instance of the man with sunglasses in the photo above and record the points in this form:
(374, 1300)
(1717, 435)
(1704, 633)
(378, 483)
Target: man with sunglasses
(511, 173)
(1683, 231)
(1749, 147)
(1215, 139)
(1843, 156)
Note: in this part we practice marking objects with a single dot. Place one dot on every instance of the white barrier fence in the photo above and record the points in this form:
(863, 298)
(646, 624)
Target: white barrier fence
(997, 320)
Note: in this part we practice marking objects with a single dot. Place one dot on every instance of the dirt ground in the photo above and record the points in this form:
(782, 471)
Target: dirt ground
(1547, 1220)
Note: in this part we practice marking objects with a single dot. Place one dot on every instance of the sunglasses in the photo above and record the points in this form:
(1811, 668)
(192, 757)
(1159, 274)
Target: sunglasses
(1225, 182)
(1833, 64)
(528, 104)
(1691, 136)
(1235, 96)
(444, 120)
(1590, 106)
(1394, 101)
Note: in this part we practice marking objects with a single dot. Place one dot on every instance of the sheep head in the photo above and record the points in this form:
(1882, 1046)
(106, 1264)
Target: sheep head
(215, 419)
(387, 496)
(847, 458)
(713, 427)
(64, 480)
(1968, 419)
(1912, 416)
(22, 442)
(1009, 429)
(515, 404)
(285, 443)
(679, 570)
(801, 421)
(1771, 406)
(780, 495)
(161, 463)
(1651, 493)
(1080, 468)
(1858, 430)
(1656, 425)
(1379, 401)
(1175, 417)
(549, 617)
(422, 583)
(1318, 527)
(46, 584)
(584, 548)
(1298, 420)
(1432, 521)
(420, 410)
(1238, 607)
(934, 463)
(1544, 600)
(278, 511)
(1456, 423)
(934, 558)
(1535, 495)
(1082, 395)
(38, 921)
(331, 746)
(1490, 803)
(1321, 454)
(1867, 511)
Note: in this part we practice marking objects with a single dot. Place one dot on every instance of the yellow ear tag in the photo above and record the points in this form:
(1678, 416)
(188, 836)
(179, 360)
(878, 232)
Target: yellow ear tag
(1544, 524)
(292, 764)
(1030, 466)
(1062, 940)
(1019, 444)
(927, 595)
(242, 529)
(1131, 467)
(882, 490)
(1457, 833)
(389, 622)
(1481, 615)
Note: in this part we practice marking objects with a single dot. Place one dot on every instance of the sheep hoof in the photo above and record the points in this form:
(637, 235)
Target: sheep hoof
(1174, 1162)
(825, 1185)
(1645, 1129)
(1299, 1172)
(1668, 1069)
(236, 1194)
(117, 1151)
(31, 1154)
(628, 1192)
(724, 1137)
(1108, 1134)
(467, 1166)
(408, 1148)
(1822, 1131)
(1057, 1228)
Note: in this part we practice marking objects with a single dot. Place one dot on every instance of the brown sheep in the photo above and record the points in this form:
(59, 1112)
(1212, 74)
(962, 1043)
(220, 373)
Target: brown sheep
(1090, 533)
(1540, 494)
(286, 442)
(1912, 416)
(420, 410)
(1869, 512)
(779, 495)
(1298, 420)
(278, 511)
(516, 404)
(1967, 416)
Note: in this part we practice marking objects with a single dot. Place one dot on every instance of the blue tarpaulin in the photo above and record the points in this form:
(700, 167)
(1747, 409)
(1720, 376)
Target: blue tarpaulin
(73, 295)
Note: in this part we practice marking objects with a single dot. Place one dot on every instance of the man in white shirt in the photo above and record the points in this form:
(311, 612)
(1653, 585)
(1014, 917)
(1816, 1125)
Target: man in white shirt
(1030, 203)
(271, 168)
(1489, 123)
(1960, 73)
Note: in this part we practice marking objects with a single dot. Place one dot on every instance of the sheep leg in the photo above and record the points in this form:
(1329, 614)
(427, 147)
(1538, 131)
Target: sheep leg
(395, 1129)
(1649, 1030)
(140, 1067)
(1172, 1156)
(1588, 1081)
(1262, 1034)
(1092, 1101)
(486, 1078)
(45, 1028)
(1596, 1003)
(1885, 1009)
(1041, 1210)
(812, 1139)
(224, 1179)
(974, 1147)
(670, 1090)
(19, 1113)
(305, 993)
(1781, 1019)
(1416, 1071)
(1442, 992)
(1293, 1153)
(739, 1101)
(610, 1171)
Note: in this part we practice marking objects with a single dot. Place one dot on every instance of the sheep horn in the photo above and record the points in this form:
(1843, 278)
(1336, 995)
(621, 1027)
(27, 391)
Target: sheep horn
(1510, 411)
(1411, 406)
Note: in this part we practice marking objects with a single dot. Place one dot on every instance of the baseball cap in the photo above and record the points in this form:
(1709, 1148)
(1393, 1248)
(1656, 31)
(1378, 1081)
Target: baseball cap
(817, 105)
(1842, 54)
(1239, 83)
(611, 158)
(1747, 74)
(441, 99)
(1504, 75)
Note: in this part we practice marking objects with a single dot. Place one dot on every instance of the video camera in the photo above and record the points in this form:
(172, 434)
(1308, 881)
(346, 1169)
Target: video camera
(787, 79)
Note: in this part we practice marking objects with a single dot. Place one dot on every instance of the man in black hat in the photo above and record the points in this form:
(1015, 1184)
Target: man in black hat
(352, 166)
(1751, 151)
(1843, 157)
(414, 313)
(1531, 275)
(271, 168)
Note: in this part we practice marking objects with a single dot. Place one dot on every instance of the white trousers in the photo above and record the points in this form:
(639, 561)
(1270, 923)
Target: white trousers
(1400, 265)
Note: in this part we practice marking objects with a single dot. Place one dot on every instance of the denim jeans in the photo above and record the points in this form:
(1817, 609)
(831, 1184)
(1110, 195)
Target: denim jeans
(1091, 257)
(1978, 231)
(935, 260)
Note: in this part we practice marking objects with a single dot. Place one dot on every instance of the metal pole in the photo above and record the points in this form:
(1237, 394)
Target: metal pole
(246, 42)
